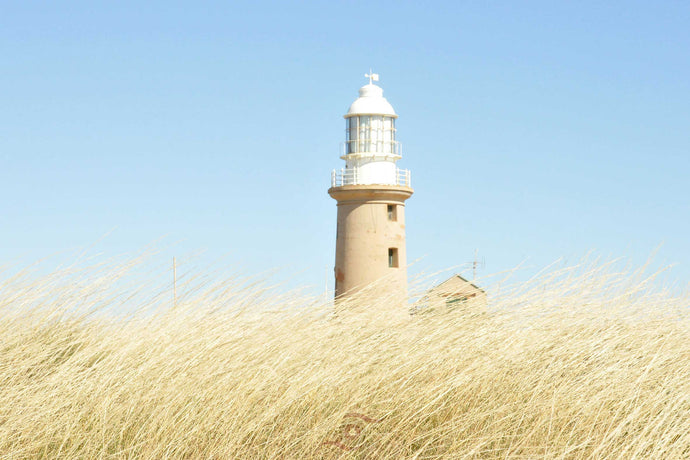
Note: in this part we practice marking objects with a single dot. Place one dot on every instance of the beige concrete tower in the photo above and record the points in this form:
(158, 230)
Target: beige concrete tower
(371, 193)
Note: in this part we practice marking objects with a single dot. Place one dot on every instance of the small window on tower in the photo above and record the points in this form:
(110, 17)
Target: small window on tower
(393, 257)
(392, 212)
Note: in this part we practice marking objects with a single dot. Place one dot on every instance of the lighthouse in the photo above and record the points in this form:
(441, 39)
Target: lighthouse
(371, 192)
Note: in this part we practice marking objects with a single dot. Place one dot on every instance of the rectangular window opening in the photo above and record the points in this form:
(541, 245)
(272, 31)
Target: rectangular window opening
(392, 212)
(393, 257)
(454, 301)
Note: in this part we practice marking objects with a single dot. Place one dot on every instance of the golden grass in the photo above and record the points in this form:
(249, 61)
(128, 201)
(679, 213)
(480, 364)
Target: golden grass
(579, 363)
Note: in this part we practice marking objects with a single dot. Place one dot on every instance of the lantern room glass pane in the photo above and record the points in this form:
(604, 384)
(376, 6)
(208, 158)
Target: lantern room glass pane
(370, 134)
(351, 140)
(364, 137)
(376, 133)
(389, 134)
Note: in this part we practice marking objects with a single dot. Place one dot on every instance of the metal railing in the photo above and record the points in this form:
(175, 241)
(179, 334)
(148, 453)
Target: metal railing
(353, 177)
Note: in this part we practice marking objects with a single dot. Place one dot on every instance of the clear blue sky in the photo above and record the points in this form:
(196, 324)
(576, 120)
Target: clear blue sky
(534, 130)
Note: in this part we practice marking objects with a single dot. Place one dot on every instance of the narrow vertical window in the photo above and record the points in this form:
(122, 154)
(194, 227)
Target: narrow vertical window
(392, 212)
(393, 257)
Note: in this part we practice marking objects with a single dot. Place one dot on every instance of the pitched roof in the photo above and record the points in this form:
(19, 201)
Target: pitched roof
(454, 277)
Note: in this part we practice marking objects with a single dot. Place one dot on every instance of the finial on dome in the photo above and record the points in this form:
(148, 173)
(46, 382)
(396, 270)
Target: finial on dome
(371, 76)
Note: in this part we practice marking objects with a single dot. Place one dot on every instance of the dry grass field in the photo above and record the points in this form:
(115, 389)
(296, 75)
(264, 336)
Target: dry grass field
(578, 363)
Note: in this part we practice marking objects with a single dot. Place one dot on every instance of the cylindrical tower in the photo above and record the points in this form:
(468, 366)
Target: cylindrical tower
(371, 193)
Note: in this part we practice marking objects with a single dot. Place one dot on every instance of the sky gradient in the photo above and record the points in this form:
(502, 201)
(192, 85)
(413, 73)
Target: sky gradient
(534, 130)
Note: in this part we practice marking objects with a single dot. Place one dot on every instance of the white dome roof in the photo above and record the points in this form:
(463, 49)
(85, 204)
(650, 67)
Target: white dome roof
(371, 102)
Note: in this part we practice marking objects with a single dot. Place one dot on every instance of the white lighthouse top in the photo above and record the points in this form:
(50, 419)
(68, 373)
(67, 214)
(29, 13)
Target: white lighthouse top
(370, 149)
(371, 100)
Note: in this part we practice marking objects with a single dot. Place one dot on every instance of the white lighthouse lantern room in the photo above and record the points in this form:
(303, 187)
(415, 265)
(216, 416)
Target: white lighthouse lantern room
(370, 149)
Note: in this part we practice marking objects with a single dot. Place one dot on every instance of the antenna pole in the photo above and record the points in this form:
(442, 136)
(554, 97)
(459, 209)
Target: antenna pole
(474, 265)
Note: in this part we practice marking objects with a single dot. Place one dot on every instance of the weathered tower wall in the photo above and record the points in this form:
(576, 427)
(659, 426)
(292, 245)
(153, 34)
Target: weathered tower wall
(370, 241)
